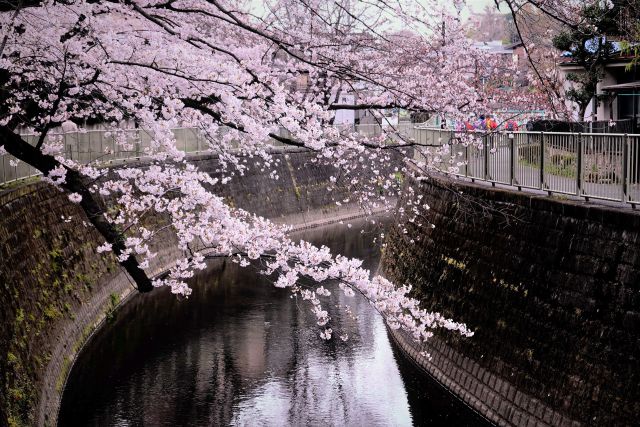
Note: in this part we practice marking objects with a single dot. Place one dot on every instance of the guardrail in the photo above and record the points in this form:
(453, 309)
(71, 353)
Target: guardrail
(599, 166)
(589, 165)
(96, 146)
(100, 146)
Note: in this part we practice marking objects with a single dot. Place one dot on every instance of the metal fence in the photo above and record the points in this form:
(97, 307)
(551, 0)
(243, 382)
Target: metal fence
(100, 146)
(589, 165)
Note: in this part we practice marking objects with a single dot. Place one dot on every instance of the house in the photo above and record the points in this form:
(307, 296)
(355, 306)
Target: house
(621, 95)
(618, 93)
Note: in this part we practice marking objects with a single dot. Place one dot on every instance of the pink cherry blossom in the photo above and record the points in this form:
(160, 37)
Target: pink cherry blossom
(241, 79)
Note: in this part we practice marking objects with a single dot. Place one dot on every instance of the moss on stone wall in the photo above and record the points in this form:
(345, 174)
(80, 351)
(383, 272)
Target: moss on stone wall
(48, 273)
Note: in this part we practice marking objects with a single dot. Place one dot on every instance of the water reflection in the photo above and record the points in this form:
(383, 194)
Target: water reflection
(241, 352)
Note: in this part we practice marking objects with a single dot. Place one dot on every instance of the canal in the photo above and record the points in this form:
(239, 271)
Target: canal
(242, 352)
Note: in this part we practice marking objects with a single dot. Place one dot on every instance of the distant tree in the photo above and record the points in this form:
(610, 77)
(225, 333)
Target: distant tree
(489, 26)
(629, 25)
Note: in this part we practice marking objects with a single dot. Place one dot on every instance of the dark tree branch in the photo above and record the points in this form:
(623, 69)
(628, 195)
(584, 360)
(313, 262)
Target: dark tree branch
(27, 153)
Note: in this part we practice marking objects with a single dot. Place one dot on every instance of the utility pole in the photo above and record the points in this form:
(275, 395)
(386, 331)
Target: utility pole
(444, 33)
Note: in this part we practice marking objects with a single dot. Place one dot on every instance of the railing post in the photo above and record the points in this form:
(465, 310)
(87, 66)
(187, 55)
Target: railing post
(90, 149)
(512, 162)
(77, 138)
(579, 165)
(68, 148)
(443, 167)
(185, 138)
(542, 160)
(102, 153)
(466, 164)
(485, 141)
(625, 168)
(137, 139)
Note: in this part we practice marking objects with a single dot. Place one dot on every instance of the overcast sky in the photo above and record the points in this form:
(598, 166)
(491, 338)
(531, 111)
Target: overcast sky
(479, 5)
(473, 5)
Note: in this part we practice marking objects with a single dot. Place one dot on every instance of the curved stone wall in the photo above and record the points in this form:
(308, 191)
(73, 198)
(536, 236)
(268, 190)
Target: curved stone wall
(552, 289)
(55, 289)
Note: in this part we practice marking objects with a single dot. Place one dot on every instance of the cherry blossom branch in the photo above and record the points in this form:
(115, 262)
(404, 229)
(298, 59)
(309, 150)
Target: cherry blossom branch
(72, 182)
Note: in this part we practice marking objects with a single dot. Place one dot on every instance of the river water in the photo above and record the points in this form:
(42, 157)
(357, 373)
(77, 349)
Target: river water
(241, 352)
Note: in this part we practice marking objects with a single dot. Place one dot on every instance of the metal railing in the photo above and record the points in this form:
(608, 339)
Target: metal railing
(599, 166)
(589, 165)
(96, 146)
(100, 146)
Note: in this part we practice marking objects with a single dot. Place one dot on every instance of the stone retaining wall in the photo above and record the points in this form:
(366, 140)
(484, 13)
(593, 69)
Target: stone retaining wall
(55, 289)
(551, 288)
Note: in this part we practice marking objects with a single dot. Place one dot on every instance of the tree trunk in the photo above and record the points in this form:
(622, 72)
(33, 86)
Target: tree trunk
(582, 111)
(27, 153)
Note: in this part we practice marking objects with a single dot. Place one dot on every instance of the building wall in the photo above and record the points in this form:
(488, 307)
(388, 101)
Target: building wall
(614, 74)
(346, 116)
(606, 111)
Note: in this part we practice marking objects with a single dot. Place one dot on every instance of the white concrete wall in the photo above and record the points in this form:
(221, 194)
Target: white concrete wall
(345, 116)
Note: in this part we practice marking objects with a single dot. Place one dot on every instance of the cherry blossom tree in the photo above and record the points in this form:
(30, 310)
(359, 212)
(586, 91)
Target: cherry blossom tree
(228, 68)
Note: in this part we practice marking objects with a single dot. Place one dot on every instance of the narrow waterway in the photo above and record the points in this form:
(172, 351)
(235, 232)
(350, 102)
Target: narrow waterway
(242, 352)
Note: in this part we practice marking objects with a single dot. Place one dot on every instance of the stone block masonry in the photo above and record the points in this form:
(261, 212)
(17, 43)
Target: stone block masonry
(551, 288)
(55, 290)
(49, 271)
